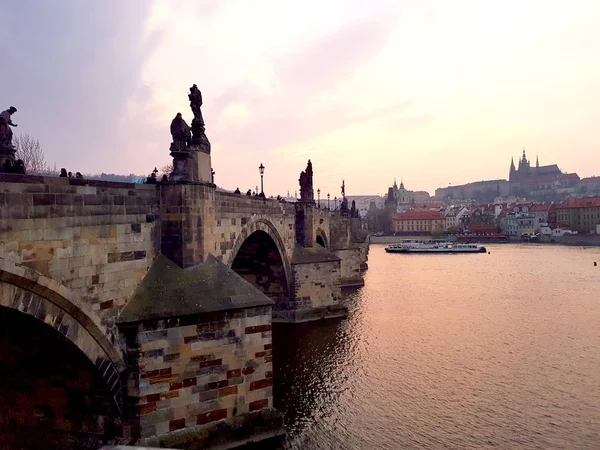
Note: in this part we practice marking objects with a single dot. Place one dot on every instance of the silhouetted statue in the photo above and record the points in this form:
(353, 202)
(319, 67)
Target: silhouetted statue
(195, 97)
(180, 131)
(70, 174)
(63, 173)
(237, 191)
(306, 184)
(7, 166)
(79, 176)
(6, 122)
(249, 193)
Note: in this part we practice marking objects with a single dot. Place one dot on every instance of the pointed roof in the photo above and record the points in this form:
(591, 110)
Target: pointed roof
(167, 290)
(401, 184)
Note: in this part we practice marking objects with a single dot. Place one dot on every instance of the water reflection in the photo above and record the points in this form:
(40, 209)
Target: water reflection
(465, 352)
(313, 363)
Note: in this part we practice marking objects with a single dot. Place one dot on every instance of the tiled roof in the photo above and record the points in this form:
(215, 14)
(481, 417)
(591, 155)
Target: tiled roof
(581, 203)
(540, 207)
(419, 215)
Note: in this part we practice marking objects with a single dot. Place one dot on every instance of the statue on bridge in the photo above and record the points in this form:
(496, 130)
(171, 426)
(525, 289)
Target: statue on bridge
(306, 184)
(198, 128)
(6, 122)
(195, 97)
(180, 130)
(7, 149)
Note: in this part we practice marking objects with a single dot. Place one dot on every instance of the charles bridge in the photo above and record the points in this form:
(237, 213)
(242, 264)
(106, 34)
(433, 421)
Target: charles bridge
(142, 313)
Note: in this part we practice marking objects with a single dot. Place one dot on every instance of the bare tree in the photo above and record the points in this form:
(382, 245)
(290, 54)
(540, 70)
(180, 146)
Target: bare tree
(30, 151)
(165, 170)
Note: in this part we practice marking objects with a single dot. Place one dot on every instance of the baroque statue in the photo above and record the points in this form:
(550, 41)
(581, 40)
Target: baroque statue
(306, 184)
(180, 131)
(6, 122)
(195, 97)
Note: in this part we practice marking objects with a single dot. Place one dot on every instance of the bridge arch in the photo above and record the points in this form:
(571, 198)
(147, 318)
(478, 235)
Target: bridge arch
(321, 238)
(259, 256)
(52, 305)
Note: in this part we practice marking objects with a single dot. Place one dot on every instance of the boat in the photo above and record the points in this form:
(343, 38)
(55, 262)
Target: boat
(434, 247)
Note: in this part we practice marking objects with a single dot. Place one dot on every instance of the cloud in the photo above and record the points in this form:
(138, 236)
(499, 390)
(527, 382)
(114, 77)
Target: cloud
(322, 63)
(72, 67)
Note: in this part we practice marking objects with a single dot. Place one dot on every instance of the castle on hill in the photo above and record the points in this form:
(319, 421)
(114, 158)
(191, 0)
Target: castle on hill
(539, 178)
(529, 180)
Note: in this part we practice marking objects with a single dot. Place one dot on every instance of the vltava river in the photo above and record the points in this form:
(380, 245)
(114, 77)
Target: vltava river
(498, 350)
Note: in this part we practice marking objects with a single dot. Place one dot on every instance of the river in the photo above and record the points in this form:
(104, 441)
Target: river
(498, 350)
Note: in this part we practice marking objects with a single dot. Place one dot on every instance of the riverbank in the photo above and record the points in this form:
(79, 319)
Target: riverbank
(586, 240)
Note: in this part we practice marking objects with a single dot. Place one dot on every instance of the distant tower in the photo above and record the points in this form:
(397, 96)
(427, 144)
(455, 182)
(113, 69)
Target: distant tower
(537, 161)
(391, 201)
(523, 165)
(401, 184)
(513, 171)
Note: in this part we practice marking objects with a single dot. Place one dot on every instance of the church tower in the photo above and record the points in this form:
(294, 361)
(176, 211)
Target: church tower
(513, 171)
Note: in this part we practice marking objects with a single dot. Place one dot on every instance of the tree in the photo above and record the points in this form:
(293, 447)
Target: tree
(165, 170)
(30, 151)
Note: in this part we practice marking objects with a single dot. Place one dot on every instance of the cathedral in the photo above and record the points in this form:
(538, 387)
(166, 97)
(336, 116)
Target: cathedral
(526, 172)
(539, 177)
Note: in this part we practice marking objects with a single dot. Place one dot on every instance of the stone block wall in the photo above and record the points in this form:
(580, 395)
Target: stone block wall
(236, 214)
(187, 222)
(189, 373)
(96, 238)
(352, 260)
(316, 294)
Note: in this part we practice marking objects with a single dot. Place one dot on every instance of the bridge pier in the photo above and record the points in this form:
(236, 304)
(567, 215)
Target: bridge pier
(199, 355)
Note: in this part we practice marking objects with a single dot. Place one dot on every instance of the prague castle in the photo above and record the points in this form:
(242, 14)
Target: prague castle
(539, 177)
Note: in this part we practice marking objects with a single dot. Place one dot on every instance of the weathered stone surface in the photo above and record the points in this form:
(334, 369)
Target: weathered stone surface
(170, 291)
(177, 390)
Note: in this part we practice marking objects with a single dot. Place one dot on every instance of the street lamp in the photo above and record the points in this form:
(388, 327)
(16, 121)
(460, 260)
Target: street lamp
(261, 169)
(319, 197)
(328, 207)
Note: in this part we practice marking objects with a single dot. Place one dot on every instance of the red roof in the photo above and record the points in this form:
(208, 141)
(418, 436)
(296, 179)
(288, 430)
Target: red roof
(590, 202)
(419, 215)
(540, 207)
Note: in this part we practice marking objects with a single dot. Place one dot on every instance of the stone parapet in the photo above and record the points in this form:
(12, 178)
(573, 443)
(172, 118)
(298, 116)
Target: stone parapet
(95, 238)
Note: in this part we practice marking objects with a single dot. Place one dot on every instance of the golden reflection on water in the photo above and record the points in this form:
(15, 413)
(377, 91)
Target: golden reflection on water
(452, 351)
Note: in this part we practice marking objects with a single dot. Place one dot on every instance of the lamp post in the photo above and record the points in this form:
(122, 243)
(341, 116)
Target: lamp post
(334, 203)
(319, 197)
(328, 207)
(261, 169)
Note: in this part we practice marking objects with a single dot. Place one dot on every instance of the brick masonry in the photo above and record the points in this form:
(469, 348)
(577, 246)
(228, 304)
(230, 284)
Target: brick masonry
(198, 370)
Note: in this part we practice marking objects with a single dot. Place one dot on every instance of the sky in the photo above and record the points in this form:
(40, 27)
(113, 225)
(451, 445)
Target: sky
(431, 92)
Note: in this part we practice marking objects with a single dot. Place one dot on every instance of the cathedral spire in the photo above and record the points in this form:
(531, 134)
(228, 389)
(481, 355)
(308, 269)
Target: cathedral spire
(537, 161)
(512, 164)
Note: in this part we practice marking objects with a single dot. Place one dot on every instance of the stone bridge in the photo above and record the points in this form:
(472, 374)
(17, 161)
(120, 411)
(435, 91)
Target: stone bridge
(142, 313)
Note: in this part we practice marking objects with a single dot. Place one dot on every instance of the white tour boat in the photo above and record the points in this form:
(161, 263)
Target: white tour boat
(434, 247)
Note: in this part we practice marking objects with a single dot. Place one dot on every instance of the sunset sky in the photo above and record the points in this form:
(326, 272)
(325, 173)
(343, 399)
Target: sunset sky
(431, 92)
